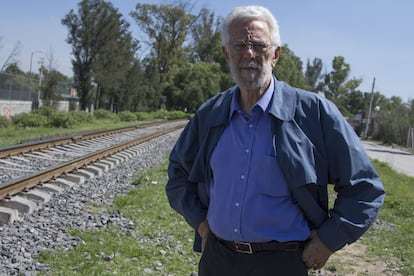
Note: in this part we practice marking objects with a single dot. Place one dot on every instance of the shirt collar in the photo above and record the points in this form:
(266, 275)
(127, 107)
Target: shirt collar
(263, 102)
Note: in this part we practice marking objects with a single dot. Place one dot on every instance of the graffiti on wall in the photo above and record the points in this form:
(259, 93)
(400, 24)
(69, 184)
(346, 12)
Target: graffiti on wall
(8, 111)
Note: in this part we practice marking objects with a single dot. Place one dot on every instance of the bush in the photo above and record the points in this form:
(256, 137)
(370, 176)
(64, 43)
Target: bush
(61, 120)
(162, 114)
(29, 120)
(105, 114)
(143, 116)
(45, 111)
(173, 115)
(127, 116)
(82, 116)
(73, 105)
(170, 115)
(4, 121)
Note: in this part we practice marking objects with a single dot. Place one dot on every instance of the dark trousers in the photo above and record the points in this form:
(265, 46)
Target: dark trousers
(218, 260)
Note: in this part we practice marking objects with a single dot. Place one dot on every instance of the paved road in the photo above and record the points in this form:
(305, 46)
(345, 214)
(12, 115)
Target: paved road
(401, 161)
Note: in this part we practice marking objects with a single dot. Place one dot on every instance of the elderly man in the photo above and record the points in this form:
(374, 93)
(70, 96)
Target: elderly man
(250, 171)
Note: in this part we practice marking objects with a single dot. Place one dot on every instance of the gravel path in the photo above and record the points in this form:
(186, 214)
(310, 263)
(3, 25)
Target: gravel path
(46, 228)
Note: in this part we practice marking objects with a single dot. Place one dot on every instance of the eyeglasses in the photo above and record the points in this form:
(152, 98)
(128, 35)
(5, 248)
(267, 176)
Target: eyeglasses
(258, 47)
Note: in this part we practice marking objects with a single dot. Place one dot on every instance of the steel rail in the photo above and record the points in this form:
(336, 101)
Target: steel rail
(47, 143)
(25, 183)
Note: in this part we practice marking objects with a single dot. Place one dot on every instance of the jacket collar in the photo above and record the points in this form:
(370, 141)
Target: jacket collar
(282, 106)
(284, 100)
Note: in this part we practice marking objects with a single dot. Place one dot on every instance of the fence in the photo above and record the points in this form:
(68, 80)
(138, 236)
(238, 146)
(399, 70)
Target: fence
(23, 88)
(22, 94)
(14, 87)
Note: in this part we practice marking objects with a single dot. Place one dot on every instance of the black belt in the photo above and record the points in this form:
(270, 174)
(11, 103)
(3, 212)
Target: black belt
(252, 247)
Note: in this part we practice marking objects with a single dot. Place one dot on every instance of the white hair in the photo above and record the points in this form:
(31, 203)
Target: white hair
(251, 12)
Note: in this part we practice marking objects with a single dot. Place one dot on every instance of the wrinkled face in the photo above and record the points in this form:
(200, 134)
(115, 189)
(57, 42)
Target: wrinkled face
(250, 54)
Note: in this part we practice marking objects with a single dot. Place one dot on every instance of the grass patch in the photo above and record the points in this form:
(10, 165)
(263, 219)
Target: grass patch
(160, 242)
(391, 239)
(394, 237)
(14, 135)
(107, 252)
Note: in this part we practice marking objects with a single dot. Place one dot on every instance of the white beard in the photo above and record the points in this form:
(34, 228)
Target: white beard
(252, 79)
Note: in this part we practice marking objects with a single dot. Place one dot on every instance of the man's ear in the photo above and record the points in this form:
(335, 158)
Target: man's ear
(225, 53)
(276, 56)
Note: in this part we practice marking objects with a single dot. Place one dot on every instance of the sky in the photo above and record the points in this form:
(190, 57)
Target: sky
(375, 37)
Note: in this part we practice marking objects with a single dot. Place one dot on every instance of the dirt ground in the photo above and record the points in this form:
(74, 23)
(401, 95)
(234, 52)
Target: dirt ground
(353, 260)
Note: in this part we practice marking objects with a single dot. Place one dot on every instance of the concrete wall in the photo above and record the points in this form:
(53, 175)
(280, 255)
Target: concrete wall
(10, 108)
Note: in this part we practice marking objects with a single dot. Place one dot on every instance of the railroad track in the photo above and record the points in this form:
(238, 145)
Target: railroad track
(68, 139)
(66, 160)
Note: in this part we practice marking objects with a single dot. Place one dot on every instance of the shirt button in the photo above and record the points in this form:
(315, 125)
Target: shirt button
(242, 177)
(235, 230)
(237, 204)
(247, 150)
(250, 125)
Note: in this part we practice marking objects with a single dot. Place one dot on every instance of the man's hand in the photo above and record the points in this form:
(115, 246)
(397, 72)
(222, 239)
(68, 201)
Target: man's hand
(315, 253)
(203, 229)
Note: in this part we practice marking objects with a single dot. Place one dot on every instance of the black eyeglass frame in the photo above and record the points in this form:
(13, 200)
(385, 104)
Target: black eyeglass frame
(259, 47)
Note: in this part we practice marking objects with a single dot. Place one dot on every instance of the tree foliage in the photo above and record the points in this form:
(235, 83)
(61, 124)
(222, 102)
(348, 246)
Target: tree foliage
(336, 84)
(206, 38)
(50, 86)
(393, 121)
(207, 46)
(166, 28)
(100, 44)
(313, 75)
(193, 84)
(289, 68)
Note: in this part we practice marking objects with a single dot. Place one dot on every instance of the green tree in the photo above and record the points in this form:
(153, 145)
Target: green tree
(13, 68)
(92, 33)
(392, 122)
(112, 66)
(336, 78)
(207, 45)
(411, 111)
(336, 83)
(131, 87)
(289, 69)
(193, 84)
(50, 86)
(356, 102)
(337, 86)
(166, 28)
(313, 75)
(206, 37)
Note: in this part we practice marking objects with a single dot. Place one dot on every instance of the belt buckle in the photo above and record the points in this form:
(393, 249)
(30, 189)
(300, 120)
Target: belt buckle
(243, 247)
(292, 246)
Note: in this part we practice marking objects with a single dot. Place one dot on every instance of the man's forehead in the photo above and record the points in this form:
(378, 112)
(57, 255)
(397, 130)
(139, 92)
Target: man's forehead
(249, 26)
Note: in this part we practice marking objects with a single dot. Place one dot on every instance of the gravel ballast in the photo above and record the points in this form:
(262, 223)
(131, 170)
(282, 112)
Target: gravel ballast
(47, 227)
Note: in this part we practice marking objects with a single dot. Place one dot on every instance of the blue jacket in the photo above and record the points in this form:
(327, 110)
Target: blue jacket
(315, 146)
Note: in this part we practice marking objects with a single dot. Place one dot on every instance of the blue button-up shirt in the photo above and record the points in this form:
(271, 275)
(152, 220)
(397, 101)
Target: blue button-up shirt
(250, 200)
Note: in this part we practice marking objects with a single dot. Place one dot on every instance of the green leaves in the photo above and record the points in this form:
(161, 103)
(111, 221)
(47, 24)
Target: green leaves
(289, 68)
(103, 49)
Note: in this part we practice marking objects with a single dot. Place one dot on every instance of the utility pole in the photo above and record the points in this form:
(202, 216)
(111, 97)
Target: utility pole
(30, 78)
(369, 110)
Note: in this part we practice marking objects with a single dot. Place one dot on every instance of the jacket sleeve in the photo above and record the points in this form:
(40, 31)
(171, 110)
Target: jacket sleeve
(360, 193)
(182, 193)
